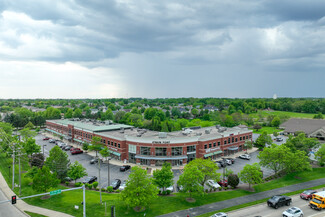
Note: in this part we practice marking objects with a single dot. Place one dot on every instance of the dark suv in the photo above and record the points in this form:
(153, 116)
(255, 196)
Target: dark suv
(89, 179)
(116, 184)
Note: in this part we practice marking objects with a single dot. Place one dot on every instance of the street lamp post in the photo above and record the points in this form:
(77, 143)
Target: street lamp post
(108, 178)
(43, 149)
(224, 167)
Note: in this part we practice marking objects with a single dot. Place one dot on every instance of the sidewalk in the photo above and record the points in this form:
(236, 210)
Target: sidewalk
(23, 206)
(195, 211)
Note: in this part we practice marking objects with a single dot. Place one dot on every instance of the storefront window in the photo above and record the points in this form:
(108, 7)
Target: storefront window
(145, 150)
(191, 148)
(177, 151)
(161, 151)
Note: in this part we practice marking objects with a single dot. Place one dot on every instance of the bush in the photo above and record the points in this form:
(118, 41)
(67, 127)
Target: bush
(168, 192)
(164, 193)
(220, 188)
(159, 192)
(67, 183)
(77, 184)
(103, 189)
(233, 180)
(95, 184)
(109, 189)
(225, 188)
(206, 190)
(89, 186)
(118, 191)
(97, 188)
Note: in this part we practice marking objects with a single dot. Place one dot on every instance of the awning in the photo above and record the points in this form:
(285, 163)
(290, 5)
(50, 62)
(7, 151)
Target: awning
(212, 153)
(60, 134)
(161, 157)
(78, 140)
(233, 148)
(115, 153)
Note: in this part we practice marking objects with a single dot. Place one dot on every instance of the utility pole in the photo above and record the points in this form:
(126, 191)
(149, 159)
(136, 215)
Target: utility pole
(99, 182)
(19, 175)
(43, 149)
(13, 168)
(108, 178)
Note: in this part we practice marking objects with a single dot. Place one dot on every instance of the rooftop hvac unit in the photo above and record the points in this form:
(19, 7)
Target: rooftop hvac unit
(218, 126)
(139, 135)
(207, 131)
(162, 135)
(132, 128)
(198, 134)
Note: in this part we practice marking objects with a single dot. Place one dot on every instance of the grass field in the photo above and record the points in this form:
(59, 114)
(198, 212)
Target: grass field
(265, 113)
(34, 214)
(269, 130)
(66, 201)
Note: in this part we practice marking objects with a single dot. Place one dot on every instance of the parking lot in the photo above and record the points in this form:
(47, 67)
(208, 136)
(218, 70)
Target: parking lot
(92, 169)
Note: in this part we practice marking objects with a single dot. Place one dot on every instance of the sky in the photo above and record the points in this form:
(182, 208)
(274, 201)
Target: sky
(158, 49)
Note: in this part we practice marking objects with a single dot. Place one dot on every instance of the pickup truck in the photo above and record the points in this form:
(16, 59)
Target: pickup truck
(279, 200)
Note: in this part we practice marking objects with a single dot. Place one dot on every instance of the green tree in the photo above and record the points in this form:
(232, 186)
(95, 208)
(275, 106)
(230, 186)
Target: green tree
(195, 112)
(140, 190)
(257, 127)
(85, 146)
(58, 162)
(37, 160)
(27, 133)
(320, 155)
(251, 174)
(44, 180)
(276, 122)
(29, 125)
(207, 167)
(77, 113)
(233, 180)
(69, 113)
(302, 143)
(164, 178)
(191, 180)
(105, 153)
(262, 140)
(96, 145)
(297, 161)
(76, 171)
(275, 134)
(274, 157)
(30, 146)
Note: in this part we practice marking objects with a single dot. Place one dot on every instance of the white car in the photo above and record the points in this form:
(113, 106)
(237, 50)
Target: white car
(123, 185)
(245, 156)
(293, 212)
(228, 161)
(220, 214)
(213, 184)
(170, 188)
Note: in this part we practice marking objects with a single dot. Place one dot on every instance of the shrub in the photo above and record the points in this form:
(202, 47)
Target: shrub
(109, 189)
(95, 184)
(97, 188)
(164, 193)
(118, 191)
(233, 180)
(206, 190)
(89, 186)
(159, 192)
(77, 184)
(67, 183)
(103, 189)
(226, 188)
(220, 188)
(168, 192)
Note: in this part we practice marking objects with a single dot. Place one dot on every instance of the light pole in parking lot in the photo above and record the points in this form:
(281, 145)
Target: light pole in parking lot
(43, 149)
(224, 167)
(99, 183)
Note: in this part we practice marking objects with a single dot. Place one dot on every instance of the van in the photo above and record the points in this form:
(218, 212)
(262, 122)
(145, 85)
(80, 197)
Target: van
(318, 201)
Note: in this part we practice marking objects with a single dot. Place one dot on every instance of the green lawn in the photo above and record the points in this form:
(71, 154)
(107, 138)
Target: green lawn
(65, 201)
(265, 113)
(34, 214)
(269, 130)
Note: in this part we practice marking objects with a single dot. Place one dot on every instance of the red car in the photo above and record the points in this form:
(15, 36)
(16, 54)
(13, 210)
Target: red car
(76, 151)
(46, 138)
(308, 194)
(223, 183)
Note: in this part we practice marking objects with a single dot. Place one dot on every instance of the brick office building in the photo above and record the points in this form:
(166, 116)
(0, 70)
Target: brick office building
(146, 147)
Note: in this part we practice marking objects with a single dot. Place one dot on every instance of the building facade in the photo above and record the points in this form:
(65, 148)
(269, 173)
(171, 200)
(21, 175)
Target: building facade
(145, 147)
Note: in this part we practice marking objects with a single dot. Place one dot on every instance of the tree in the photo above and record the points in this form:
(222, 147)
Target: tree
(276, 122)
(139, 190)
(76, 171)
(96, 144)
(29, 125)
(44, 180)
(30, 146)
(320, 155)
(262, 140)
(297, 161)
(69, 113)
(27, 133)
(274, 157)
(275, 134)
(105, 153)
(302, 143)
(195, 112)
(164, 178)
(257, 127)
(251, 174)
(77, 113)
(233, 180)
(191, 180)
(207, 167)
(37, 160)
(58, 162)
(85, 146)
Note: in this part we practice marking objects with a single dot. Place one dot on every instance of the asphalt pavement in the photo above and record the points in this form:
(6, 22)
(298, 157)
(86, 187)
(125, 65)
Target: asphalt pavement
(195, 211)
(7, 209)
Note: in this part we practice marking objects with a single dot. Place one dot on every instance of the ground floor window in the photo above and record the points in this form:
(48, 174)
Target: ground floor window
(145, 162)
(132, 158)
(190, 157)
(160, 162)
(177, 162)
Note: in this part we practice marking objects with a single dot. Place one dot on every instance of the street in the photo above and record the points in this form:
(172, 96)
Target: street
(7, 209)
(265, 211)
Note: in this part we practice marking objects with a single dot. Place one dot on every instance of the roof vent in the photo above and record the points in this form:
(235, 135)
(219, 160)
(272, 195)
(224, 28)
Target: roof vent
(139, 135)
(207, 131)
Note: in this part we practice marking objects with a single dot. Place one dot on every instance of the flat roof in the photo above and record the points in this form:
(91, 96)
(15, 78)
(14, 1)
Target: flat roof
(125, 132)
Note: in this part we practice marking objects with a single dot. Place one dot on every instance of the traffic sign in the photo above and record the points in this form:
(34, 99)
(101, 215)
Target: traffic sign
(55, 192)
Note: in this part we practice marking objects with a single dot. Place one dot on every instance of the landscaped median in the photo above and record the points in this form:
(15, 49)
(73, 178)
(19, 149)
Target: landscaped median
(66, 201)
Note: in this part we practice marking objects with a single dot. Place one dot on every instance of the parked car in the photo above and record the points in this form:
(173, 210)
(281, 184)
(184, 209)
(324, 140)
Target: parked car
(245, 156)
(170, 188)
(67, 148)
(278, 139)
(61, 145)
(89, 179)
(231, 159)
(228, 161)
(46, 138)
(218, 164)
(220, 214)
(222, 164)
(76, 151)
(213, 184)
(123, 185)
(52, 141)
(116, 184)
(223, 183)
(293, 212)
(68, 179)
(179, 188)
(125, 168)
(279, 200)
(308, 194)
(95, 160)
